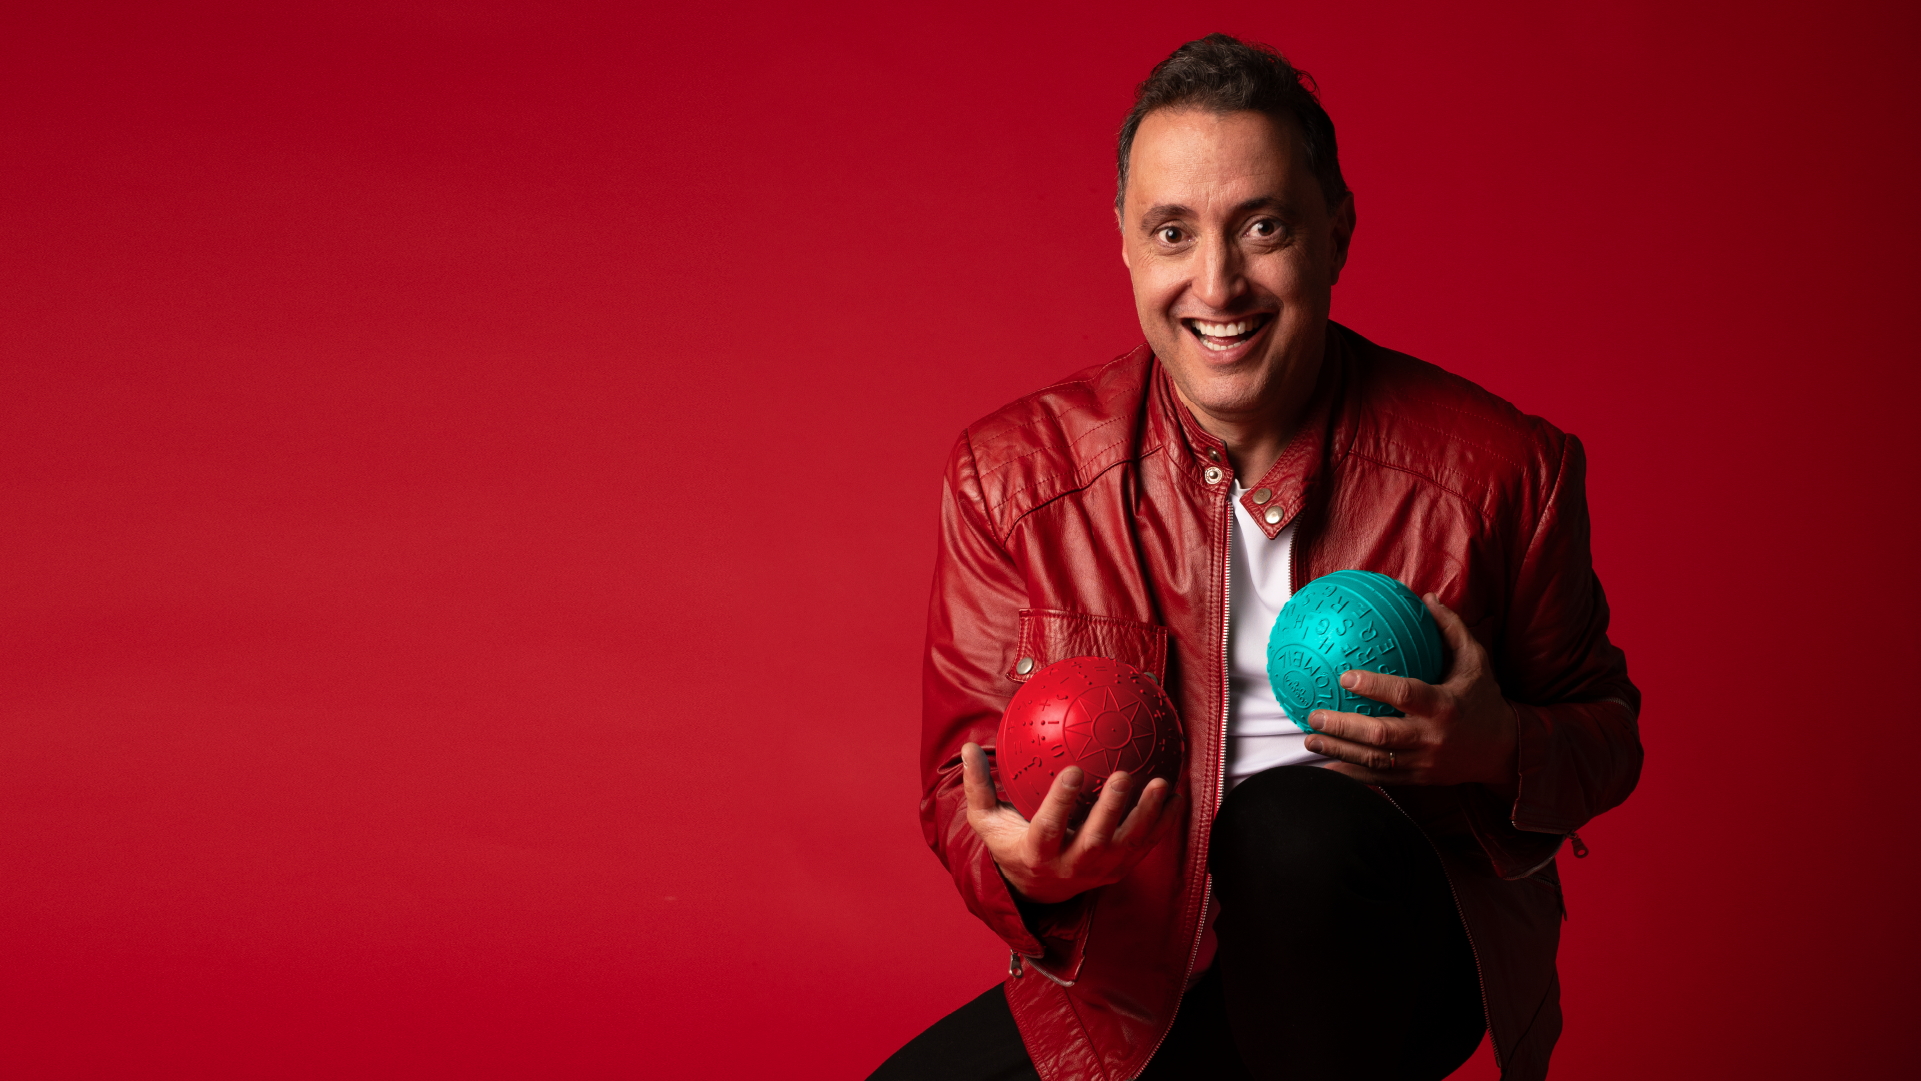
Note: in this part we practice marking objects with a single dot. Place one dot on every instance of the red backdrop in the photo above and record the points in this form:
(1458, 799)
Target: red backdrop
(469, 479)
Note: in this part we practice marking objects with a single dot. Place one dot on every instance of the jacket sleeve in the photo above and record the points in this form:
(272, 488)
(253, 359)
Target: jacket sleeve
(971, 622)
(1580, 743)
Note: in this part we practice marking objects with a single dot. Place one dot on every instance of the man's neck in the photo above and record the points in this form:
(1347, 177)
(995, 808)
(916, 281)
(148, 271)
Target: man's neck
(1254, 441)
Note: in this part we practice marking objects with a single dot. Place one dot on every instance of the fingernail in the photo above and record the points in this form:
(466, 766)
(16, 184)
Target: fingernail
(1349, 679)
(1071, 777)
(1316, 719)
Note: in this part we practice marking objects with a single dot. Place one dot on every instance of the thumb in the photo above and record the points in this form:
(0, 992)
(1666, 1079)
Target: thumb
(1466, 650)
(975, 779)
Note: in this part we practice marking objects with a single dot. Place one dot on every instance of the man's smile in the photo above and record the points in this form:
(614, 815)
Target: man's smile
(1223, 337)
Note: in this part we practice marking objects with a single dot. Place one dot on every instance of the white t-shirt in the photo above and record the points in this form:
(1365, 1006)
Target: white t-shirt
(1259, 733)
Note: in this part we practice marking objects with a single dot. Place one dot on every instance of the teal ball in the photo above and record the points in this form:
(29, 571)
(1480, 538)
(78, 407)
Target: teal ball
(1345, 620)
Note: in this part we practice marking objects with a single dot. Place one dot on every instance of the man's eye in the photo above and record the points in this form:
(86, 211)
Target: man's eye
(1265, 227)
(1170, 235)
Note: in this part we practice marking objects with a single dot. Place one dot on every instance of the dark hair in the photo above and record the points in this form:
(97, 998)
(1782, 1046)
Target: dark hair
(1223, 74)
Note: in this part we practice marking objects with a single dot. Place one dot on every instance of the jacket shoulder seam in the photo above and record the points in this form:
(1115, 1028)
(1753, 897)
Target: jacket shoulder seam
(1079, 486)
(1091, 455)
(1437, 482)
(1042, 414)
(1044, 449)
(1413, 421)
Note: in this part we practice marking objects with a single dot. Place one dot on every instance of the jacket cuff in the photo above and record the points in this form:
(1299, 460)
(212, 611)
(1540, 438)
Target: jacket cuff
(1534, 809)
(1052, 937)
(1061, 929)
(991, 900)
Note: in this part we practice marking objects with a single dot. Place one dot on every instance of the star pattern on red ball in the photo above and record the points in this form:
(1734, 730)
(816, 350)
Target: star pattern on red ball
(1101, 729)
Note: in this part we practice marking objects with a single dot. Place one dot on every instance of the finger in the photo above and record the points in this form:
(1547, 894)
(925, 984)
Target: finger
(1116, 800)
(1366, 755)
(977, 782)
(1173, 815)
(1466, 651)
(1386, 732)
(1050, 821)
(1405, 694)
(1143, 824)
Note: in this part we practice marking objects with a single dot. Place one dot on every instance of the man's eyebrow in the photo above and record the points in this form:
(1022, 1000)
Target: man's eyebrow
(1167, 211)
(1262, 202)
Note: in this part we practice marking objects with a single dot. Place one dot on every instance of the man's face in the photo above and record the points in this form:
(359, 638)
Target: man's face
(1233, 251)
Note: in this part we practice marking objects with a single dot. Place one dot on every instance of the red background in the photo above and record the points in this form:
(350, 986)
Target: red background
(469, 479)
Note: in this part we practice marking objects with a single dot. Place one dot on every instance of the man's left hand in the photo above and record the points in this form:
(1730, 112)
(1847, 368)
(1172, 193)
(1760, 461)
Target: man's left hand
(1458, 731)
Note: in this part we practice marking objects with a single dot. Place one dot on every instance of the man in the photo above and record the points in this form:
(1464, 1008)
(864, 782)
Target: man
(1362, 900)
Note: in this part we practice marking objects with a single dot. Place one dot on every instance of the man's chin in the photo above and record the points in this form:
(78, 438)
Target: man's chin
(1221, 394)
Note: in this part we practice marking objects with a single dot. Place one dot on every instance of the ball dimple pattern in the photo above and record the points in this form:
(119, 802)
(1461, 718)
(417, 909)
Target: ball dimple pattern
(1345, 620)
(1099, 714)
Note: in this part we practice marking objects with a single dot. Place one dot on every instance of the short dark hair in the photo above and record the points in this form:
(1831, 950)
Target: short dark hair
(1224, 74)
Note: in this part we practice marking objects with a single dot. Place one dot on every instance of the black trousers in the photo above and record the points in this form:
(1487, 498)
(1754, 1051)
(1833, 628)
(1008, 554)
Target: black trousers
(1341, 955)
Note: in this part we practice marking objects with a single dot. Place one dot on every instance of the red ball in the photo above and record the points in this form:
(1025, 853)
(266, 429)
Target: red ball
(1100, 715)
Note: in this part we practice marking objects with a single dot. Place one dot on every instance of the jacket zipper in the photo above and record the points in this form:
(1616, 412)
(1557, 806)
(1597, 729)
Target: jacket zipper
(1480, 976)
(1220, 756)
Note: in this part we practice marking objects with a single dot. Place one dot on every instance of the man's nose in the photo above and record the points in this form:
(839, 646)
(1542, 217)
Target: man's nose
(1218, 280)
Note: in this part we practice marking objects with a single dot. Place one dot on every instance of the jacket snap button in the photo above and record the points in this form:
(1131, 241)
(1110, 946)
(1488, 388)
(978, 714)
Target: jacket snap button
(1273, 515)
(1024, 665)
(1213, 455)
(1212, 475)
(1262, 495)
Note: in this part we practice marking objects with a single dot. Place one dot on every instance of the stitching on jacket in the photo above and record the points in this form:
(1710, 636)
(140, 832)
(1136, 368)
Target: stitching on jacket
(1090, 457)
(1552, 991)
(1434, 474)
(1108, 635)
(1087, 1039)
(1552, 497)
(1089, 383)
(960, 497)
(1043, 449)
(1486, 448)
(1121, 621)
(1034, 422)
(1072, 476)
(1479, 512)
(1014, 524)
(1490, 417)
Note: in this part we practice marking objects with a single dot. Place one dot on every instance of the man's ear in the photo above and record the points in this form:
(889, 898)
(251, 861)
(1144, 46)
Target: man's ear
(1120, 223)
(1343, 227)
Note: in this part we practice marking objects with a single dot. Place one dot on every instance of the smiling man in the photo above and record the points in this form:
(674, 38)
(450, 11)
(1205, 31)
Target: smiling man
(1362, 900)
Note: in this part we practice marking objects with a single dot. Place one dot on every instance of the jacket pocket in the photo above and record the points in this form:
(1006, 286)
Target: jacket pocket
(1047, 636)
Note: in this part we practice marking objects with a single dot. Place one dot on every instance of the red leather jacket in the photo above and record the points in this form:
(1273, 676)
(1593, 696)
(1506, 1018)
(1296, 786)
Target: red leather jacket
(1089, 519)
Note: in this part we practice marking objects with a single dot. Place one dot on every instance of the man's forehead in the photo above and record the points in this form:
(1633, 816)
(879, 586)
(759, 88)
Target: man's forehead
(1181, 156)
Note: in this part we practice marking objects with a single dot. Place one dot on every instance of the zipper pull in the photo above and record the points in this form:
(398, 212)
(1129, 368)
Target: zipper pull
(1580, 849)
(1014, 966)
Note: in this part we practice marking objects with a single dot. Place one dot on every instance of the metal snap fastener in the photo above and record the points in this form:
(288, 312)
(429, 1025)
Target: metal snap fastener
(1024, 665)
(1213, 455)
(1273, 515)
(1213, 474)
(1262, 495)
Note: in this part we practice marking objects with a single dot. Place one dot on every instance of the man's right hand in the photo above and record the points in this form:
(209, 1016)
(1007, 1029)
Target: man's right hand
(1046, 862)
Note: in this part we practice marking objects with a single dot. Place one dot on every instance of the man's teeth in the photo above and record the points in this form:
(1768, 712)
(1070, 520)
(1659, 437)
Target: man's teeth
(1224, 330)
